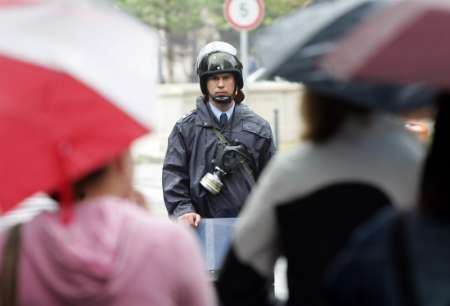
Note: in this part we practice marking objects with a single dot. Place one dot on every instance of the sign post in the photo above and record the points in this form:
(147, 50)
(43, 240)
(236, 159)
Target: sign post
(244, 53)
(243, 16)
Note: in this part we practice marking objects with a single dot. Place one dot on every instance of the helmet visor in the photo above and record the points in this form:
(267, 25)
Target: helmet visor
(219, 61)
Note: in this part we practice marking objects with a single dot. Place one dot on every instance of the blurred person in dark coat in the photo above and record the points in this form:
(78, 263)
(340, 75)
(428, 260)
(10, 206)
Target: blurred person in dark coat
(402, 258)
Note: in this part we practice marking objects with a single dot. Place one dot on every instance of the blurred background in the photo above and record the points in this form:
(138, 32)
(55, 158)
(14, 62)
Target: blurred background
(184, 27)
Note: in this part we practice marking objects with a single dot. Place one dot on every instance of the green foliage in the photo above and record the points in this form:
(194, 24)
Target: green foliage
(177, 16)
(277, 8)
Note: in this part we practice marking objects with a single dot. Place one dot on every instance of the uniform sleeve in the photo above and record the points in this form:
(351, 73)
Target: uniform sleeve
(269, 151)
(253, 252)
(175, 176)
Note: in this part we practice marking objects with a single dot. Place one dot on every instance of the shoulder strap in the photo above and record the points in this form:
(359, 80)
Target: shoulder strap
(242, 161)
(9, 268)
(221, 137)
(402, 263)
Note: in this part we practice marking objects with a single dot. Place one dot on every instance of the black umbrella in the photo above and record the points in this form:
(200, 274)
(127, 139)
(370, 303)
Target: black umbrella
(293, 47)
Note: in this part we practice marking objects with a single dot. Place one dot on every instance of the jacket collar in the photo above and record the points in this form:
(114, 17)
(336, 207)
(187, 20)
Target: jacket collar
(206, 118)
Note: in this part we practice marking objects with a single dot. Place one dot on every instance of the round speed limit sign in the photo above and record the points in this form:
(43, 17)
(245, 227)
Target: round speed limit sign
(244, 15)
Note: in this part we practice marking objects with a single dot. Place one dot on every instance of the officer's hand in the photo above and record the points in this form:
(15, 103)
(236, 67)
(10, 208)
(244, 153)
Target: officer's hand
(192, 219)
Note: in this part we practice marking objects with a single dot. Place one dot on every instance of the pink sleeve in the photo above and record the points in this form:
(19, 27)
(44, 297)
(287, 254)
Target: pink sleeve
(196, 287)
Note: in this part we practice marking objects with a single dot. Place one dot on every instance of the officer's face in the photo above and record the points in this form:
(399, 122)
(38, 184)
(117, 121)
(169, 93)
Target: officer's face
(222, 84)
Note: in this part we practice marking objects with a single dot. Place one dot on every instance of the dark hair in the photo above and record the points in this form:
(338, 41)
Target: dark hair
(434, 198)
(323, 115)
(79, 187)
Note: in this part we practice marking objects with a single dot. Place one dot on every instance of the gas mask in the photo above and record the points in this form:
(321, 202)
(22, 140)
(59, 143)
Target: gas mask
(228, 160)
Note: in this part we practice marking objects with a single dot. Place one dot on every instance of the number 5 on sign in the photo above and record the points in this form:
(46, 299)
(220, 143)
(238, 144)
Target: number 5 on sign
(244, 15)
(243, 9)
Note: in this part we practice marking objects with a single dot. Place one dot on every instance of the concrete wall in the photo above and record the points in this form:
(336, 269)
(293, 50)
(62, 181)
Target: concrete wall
(263, 97)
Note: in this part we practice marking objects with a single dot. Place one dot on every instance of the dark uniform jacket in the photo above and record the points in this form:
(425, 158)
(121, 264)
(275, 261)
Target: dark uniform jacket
(191, 149)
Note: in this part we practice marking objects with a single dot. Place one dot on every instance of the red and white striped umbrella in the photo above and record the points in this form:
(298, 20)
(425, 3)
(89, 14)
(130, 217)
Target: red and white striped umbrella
(77, 86)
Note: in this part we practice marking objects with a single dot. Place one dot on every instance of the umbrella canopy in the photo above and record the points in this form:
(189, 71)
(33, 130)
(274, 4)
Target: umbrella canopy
(406, 45)
(77, 86)
(294, 45)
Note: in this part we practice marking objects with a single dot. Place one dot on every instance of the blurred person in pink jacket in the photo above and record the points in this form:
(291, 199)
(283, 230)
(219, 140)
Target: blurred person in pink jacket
(111, 252)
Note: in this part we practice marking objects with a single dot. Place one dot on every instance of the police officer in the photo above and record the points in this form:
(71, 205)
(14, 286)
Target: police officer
(216, 152)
